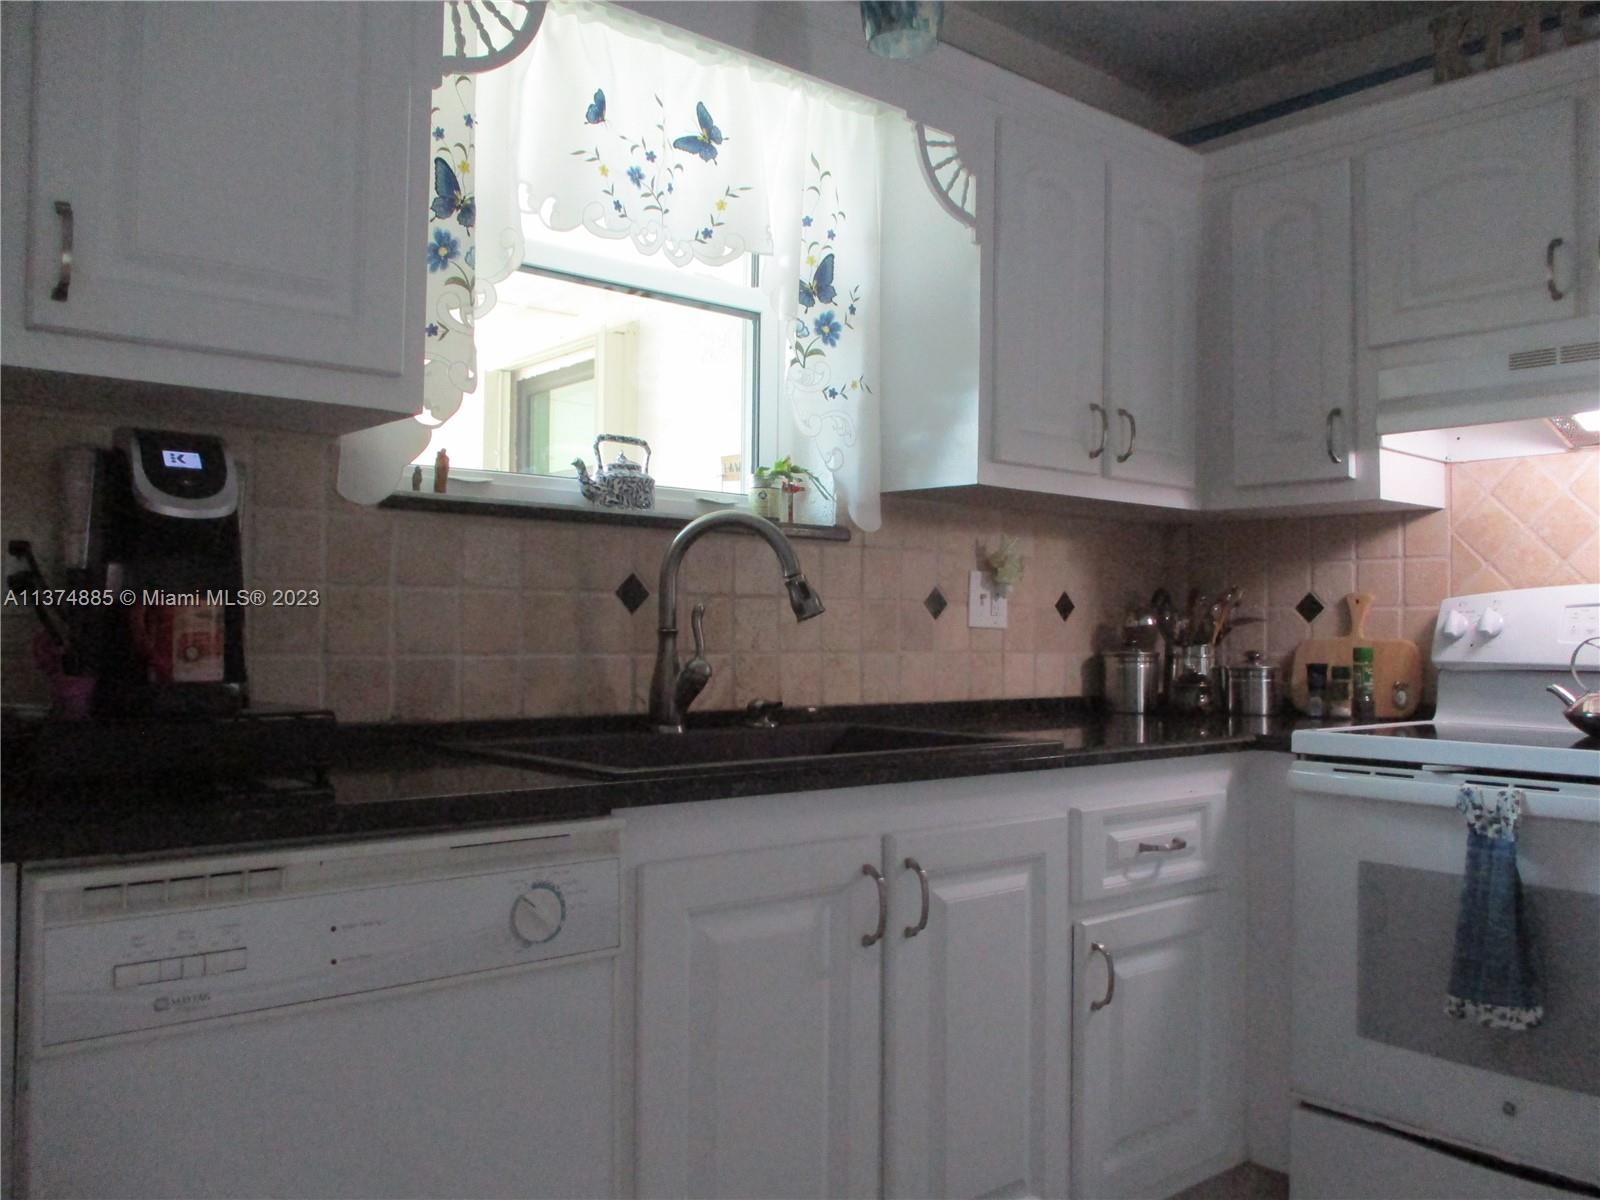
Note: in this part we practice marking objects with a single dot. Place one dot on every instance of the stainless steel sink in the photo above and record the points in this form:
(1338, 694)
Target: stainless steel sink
(728, 749)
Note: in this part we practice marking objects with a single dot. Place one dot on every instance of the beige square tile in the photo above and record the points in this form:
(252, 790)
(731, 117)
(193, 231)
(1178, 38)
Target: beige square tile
(880, 677)
(718, 694)
(278, 679)
(1527, 562)
(552, 556)
(284, 629)
(801, 677)
(552, 685)
(755, 570)
(605, 626)
(288, 547)
(1427, 535)
(1332, 582)
(950, 632)
(492, 554)
(1019, 679)
(358, 621)
(755, 678)
(1333, 538)
(358, 689)
(1564, 524)
(1379, 535)
(1383, 622)
(604, 684)
(427, 621)
(550, 624)
(290, 472)
(797, 636)
(1021, 621)
(490, 688)
(919, 574)
(841, 679)
(428, 549)
(841, 572)
(360, 547)
(1050, 674)
(950, 676)
(880, 573)
(755, 625)
(918, 677)
(427, 689)
(1427, 582)
(491, 623)
(1526, 488)
(840, 626)
(985, 676)
(1488, 529)
(708, 567)
(880, 626)
(916, 626)
(1381, 578)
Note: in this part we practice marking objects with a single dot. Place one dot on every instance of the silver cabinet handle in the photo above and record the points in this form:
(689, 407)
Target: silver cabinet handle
(1133, 432)
(1550, 269)
(1111, 977)
(64, 278)
(1172, 847)
(1105, 430)
(922, 879)
(1334, 415)
(868, 939)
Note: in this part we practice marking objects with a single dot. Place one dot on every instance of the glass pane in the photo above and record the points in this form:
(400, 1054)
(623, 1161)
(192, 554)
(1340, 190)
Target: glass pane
(563, 361)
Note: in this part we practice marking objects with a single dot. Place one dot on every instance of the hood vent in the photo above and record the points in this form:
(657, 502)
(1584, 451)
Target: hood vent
(1541, 371)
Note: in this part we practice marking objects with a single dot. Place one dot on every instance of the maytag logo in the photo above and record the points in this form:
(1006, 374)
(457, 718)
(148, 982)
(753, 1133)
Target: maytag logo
(186, 1000)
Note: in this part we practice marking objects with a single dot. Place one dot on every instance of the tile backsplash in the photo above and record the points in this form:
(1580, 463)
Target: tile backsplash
(437, 617)
(434, 616)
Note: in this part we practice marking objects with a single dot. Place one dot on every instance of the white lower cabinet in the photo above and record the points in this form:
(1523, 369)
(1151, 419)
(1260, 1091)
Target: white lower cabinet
(1153, 1097)
(762, 1066)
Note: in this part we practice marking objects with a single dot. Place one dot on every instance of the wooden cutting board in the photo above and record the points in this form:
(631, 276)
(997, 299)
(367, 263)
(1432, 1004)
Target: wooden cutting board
(1394, 660)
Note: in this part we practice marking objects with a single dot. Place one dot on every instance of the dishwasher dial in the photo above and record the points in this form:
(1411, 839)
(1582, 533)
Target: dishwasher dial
(537, 915)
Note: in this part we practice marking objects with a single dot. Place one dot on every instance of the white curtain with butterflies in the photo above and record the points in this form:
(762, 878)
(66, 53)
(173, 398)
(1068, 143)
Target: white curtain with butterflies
(692, 152)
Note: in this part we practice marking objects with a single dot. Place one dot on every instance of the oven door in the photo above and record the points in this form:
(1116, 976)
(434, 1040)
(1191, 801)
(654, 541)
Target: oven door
(1378, 860)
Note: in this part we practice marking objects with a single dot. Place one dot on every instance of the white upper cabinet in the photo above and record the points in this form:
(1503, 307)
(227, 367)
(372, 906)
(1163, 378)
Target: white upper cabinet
(1293, 326)
(1474, 228)
(243, 182)
(1153, 261)
(1049, 301)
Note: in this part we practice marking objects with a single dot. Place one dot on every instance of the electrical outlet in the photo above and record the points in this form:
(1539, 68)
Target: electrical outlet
(985, 610)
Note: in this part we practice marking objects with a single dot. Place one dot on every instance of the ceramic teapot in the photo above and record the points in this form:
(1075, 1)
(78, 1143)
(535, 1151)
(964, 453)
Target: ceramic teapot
(624, 484)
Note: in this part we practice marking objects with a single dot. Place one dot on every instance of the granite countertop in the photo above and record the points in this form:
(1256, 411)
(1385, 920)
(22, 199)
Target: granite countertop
(389, 780)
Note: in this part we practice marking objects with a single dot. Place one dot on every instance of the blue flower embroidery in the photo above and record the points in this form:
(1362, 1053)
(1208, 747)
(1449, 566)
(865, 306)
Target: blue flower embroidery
(617, 204)
(636, 176)
(431, 329)
(806, 221)
(706, 234)
(466, 119)
(649, 156)
(828, 329)
(469, 263)
(471, 256)
(438, 133)
(442, 250)
(831, 235)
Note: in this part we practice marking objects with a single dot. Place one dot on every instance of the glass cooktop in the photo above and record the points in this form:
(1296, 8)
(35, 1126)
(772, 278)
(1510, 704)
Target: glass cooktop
(1488, 735)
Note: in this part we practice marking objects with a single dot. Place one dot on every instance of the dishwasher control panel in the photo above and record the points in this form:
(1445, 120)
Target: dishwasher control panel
(112, 970)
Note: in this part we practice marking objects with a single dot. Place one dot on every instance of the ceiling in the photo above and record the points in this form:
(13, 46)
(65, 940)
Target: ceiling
(1172, 49)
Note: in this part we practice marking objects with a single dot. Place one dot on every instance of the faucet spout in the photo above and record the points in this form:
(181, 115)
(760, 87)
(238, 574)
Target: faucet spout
(668, 698)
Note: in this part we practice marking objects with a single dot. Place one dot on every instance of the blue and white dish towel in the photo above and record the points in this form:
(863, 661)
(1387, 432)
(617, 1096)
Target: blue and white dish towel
(1494, 977)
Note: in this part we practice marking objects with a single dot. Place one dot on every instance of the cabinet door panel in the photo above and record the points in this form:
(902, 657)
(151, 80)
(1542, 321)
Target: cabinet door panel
(220, 207)
(1458, 225)
(758, 1024)
(1150, 377)
(1050, 298)
(977, 1048)
(1293, 316)
(1149, 1095)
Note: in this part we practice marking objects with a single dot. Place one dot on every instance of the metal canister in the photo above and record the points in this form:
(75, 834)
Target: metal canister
(1131, 679)
(1253, 687)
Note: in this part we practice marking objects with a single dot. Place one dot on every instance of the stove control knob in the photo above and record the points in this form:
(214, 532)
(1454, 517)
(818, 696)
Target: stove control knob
(1455, 624)
(538, 914)
(1491, 622)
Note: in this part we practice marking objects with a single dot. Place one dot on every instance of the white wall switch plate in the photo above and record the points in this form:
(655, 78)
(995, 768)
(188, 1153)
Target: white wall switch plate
(985, 610)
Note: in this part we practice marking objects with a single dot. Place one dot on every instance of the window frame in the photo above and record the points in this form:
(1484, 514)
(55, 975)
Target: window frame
(649, 277)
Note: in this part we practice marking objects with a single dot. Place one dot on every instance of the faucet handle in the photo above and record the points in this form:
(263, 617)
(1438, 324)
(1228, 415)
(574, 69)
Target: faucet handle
(697, 621)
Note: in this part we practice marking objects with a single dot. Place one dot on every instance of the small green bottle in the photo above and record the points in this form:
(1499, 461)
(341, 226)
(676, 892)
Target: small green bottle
(1362, 705)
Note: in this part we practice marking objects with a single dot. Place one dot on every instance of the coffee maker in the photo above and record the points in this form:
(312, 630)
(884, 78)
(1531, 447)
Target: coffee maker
(163, 544)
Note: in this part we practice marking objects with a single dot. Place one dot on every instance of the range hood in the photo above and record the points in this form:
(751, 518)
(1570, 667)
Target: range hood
(1549, 370)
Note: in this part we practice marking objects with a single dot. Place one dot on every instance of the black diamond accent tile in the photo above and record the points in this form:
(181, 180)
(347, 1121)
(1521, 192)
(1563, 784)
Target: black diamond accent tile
(935, 603)
(1064, 606)
(1309, 607)
(632, 593)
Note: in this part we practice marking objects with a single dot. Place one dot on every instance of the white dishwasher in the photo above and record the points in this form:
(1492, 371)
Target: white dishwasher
(428, 1016)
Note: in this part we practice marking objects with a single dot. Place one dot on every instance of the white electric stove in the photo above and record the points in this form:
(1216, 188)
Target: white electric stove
(1395, 1098)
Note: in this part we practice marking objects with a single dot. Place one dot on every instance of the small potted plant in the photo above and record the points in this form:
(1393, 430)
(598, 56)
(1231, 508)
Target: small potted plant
(791, 478)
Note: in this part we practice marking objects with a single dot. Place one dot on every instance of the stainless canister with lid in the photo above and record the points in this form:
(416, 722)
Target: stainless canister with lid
(1253, 687)
(1131, 679)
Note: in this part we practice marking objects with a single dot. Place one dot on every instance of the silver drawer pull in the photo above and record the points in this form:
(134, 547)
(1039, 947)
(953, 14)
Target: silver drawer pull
(1111, 977)
(1550, 269)
(1172, 847)
(1133, 432)
(1105, 430)
(1334, 415)
(64, 278)
(868, 939)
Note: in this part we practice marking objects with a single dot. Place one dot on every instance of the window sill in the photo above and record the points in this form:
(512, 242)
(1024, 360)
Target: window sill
(589, 514)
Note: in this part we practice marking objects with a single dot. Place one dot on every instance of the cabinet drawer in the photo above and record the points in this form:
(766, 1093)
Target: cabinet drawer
(1126, 849)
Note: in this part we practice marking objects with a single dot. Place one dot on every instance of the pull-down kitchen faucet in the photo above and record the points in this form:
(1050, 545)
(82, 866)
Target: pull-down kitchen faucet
(674, 687)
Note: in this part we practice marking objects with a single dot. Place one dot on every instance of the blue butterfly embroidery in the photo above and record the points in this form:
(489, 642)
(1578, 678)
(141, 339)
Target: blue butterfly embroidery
(596, 113)
(821, 288)
(448, 197)
(705, 142)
